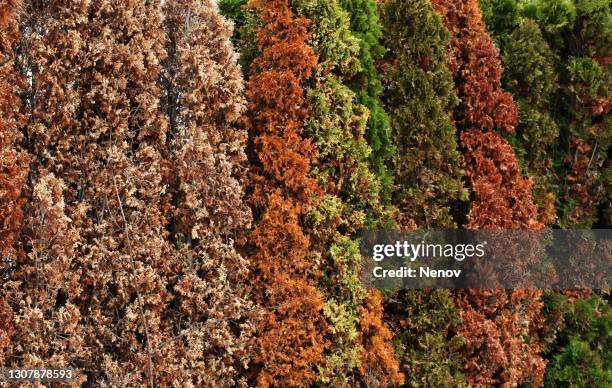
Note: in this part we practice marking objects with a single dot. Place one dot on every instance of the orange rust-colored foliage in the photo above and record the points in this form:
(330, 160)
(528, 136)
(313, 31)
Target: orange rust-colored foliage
(290, 336)
(379, 365)
(475, 62)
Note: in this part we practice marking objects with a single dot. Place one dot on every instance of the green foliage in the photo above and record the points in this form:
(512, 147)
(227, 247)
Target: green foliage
(587, 79)
(567, 87)
(555, 15)
(233, 10)
(425, 344)
(592, 35)
(530, 76)
(587, 135)
(365, 25)
(245, 25)
(421, 99)
(428, 179)
(529, 64)
(581, 354)
(501, 17)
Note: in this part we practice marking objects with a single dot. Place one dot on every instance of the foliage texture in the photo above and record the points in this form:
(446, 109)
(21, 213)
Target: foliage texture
(499, 347)
(129, 273)
(420, 98)
(291, 336)
(352, 194)
(365, 25)
(13, 163)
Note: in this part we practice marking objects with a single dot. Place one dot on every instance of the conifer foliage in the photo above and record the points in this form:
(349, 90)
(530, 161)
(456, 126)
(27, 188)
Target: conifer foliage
(359, 347)
(555, 49)
(530, 75)
(501, 198)
(13, 169)
(365, 25)
(129, 262)
(164, 222)
(95, 236)
(203, 98)
(420, 99)
(13, 165)
(474, 61)
(290, 338)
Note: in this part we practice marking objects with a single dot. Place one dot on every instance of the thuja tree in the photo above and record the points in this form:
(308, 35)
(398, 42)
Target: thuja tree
(365, 25)
(531, 77)
(420, 98)
(246, 24)
(579, 31)
(579, 34)
(358, 350)
(203, 98)
(13, 167)
(118, 297)
(291, 336)
(474, 61)
(501, 17)
(500, 329)
(97, 259)
(47, 321)
(500, 346)
(13, 164)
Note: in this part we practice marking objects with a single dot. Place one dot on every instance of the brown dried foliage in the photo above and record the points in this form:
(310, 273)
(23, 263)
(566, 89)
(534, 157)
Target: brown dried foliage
(103, 286)
(474, 61)
(13, 162)
(290, 336)
(93, 123)
(203, 98)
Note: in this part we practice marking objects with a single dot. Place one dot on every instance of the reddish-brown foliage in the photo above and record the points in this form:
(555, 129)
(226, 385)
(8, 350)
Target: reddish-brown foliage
(290, 337)
(474, 61)
(581, 184)
(495, 327)
(13, 164)
(501, 196)
(495, 323)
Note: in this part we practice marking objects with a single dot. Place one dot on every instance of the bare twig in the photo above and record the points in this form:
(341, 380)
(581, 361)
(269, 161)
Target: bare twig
(592, 155)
